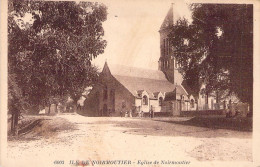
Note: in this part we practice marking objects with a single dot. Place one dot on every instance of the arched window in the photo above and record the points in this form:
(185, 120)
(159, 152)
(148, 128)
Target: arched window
(112, 97)
(192, 103)
(105, 93)
(160, 101)
(145, 100)
(182, 97)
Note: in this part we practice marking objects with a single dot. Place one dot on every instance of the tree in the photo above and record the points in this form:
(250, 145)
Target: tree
(15, 101)
(51, 56)
(218, 47)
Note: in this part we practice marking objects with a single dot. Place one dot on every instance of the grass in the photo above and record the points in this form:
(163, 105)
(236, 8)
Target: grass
(43, 127)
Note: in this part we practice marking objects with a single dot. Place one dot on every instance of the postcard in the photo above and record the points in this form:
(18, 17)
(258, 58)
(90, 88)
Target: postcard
(129, 83)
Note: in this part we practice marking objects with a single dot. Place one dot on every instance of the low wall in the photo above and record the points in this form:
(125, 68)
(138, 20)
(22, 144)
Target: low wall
(159, 114)
(202, 112)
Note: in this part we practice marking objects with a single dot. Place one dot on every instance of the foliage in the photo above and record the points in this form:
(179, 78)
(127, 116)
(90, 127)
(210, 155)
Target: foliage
(51, 57)
(217, 48)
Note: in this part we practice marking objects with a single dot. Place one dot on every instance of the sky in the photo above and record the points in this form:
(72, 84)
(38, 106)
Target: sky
(131, 31)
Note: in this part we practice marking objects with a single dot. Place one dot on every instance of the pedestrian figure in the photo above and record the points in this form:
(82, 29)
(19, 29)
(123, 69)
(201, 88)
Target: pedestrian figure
(229, 112)
(151, 112)
(121, 113)
(130, 113)
(126, 114)
(109, 112)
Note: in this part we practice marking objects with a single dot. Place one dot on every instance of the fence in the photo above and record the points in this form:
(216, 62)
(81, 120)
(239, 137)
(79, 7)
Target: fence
(202, 112)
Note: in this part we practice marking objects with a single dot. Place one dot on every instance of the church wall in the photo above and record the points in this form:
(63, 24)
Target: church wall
(167, 106)
(138, 102)
(95, 103)
(124, 100)
(155, 104)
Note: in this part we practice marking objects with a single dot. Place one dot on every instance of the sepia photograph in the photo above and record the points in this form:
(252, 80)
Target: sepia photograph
(129, 83)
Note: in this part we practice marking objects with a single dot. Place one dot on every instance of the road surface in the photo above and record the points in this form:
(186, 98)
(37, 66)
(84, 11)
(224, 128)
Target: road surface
(140, 142)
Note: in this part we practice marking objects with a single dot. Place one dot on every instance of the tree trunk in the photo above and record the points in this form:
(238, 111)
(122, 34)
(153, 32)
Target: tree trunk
(207, 100)
(74, 107)
(49, 109)
(75, 101)
(217, 100)
(250, 114)
(14, 121)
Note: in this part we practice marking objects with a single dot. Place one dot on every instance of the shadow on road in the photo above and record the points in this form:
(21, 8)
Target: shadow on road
(198, 127)
(238, 124)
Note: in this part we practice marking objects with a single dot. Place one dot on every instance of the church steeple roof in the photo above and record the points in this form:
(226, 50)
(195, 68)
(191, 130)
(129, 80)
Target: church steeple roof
(169, 19)
(106, 68)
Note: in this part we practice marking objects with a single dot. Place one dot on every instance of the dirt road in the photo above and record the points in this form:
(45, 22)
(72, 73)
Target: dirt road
(139, 142)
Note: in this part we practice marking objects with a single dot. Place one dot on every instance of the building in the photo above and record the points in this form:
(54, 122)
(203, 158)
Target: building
(170, 67)
(123, 89)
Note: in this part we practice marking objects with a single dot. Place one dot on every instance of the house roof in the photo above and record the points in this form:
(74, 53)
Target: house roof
(149, 85)
(137, 79)
(155, 94)
(172, 95)
(188, 89)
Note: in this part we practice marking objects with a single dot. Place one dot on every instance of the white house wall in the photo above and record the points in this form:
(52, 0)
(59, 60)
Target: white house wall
(155, 104)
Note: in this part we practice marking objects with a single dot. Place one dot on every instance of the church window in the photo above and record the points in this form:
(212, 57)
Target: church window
(123, 104)
(168, 46)
(182, 97)
(164, 43)
(165, 47)
(206, 99)
(105, 93)
(145, 100)
(160, 101)
(112, 96)
(97, 98)
(192, 103)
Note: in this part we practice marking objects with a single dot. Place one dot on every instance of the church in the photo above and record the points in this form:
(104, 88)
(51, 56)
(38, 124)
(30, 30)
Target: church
(122, 89)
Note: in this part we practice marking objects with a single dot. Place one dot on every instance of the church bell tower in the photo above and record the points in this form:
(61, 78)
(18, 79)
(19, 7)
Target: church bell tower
(167, 62)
